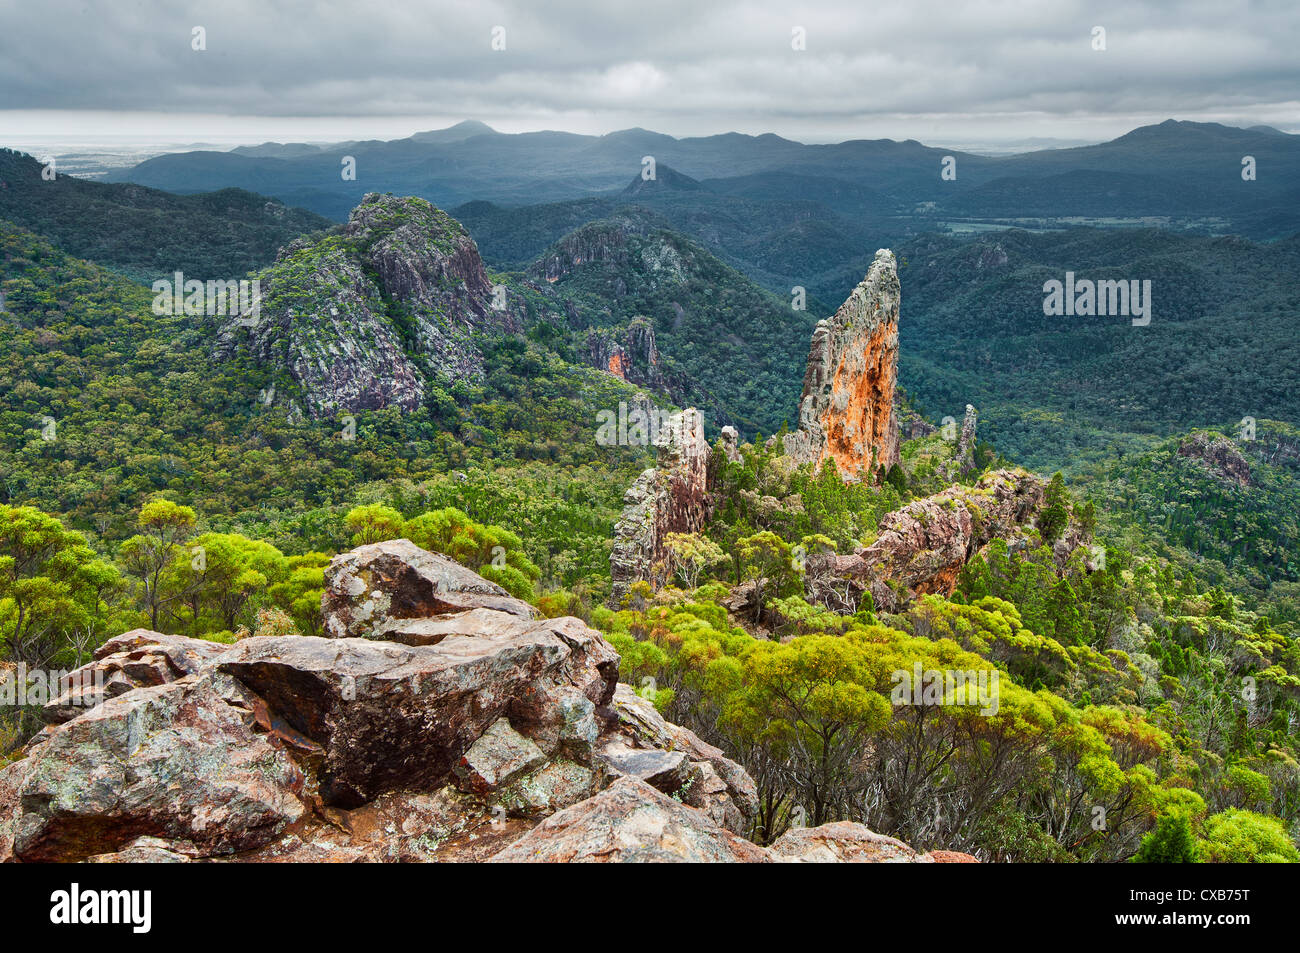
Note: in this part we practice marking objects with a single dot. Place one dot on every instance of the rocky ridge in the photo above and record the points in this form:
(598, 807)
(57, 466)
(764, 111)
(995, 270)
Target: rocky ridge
(500, 736)
(922, 547)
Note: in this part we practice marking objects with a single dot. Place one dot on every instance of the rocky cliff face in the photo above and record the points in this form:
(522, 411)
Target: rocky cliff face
(629, 353)
(605, 241)
(363, 316)
(922, 547)
(497, 736)
(846, 412)
(669, 498)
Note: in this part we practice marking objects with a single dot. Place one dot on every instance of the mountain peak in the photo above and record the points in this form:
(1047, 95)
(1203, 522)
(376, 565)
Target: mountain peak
(466, 129)
(360, 317)
(665, 180)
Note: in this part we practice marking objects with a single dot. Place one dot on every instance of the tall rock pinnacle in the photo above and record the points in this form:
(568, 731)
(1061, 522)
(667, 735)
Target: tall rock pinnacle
(846, 413)
(671, 497)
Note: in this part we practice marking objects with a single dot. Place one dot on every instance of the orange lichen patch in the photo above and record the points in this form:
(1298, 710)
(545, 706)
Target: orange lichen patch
(616, 365)
(863, 384)
(951, 857)
(942, 583)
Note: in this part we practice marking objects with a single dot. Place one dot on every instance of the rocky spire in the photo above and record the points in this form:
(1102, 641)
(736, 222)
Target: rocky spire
(669, 498)
(965, 456)
(846, 413)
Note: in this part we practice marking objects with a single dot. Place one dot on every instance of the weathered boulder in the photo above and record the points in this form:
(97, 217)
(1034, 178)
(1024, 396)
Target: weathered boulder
(388, 716)
(631, 822)
(844, 842)
(556, 785)
(922, 547)
(134, 659)
(669, 498)
(677, 762)
(170, 761)
(846, 412)
(376, 591)
(500, 755)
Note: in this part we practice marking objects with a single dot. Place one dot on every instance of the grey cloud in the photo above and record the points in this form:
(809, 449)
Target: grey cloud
(686, 65)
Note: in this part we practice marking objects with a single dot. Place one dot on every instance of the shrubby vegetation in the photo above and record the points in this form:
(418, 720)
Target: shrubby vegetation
(1141, 715)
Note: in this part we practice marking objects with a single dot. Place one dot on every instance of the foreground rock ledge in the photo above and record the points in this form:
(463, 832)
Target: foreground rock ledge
(483, 733)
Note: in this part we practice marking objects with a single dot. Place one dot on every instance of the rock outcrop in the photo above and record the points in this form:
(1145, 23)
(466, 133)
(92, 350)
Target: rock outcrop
(922, 547)
(731, 444)
(964, 458)
(383, 717)
(675, 761)
(135, 659)
(630, 353)
(1218, 455)
(843, 842)
(846, 412)
(669, 498)
(358, 317)
(631, 822)
(507, 738)
(173, 761)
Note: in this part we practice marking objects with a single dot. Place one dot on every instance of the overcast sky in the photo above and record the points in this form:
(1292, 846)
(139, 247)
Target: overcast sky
(937, 71)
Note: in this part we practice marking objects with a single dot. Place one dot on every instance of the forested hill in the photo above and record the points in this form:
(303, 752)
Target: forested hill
(722, 343)
(1063, 392)
(146, 233)
(104, 404)
(160, 471)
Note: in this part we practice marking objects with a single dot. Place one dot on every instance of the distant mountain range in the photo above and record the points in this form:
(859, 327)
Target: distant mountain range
(785, 213)
(683, 281)
(1193, 170)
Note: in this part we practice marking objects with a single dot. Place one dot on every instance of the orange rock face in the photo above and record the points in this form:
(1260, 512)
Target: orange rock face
(846, 413)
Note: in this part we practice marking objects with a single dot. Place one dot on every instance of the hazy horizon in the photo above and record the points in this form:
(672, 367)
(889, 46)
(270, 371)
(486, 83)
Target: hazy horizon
(135, 144)
(981, 76)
